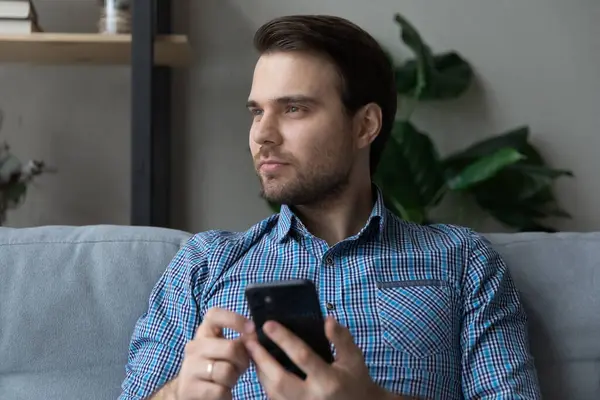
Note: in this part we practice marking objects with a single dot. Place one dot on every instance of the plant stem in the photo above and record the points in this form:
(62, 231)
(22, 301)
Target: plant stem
(399, 207)
(438, 196)
(411, 106)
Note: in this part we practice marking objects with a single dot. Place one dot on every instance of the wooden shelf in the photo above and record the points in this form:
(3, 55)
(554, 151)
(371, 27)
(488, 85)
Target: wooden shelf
(94, 48)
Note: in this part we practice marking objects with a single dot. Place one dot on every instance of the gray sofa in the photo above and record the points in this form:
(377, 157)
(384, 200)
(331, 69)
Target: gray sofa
(69, 297)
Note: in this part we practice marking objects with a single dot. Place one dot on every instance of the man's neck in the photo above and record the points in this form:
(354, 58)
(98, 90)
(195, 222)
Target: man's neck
(339, 217)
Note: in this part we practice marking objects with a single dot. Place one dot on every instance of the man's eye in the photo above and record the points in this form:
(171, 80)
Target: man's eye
(256, 111)
(293, 109)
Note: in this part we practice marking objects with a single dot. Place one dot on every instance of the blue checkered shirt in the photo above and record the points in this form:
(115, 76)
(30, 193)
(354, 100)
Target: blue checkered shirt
(433, 308)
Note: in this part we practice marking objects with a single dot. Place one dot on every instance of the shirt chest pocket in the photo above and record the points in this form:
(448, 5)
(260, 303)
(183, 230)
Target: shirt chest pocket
(416, 317)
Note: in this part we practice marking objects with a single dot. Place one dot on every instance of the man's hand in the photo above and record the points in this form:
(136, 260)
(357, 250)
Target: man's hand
(213, 364)
(346, 379)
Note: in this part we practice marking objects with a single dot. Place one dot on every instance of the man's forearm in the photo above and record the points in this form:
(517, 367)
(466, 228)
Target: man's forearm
(167, 392)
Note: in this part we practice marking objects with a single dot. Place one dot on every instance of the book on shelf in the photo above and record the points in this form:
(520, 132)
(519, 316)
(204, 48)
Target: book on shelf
(18, 17)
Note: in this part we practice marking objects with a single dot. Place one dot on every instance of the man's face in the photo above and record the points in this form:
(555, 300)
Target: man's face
(301, 138)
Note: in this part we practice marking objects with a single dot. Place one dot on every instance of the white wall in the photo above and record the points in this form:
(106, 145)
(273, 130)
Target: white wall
(538, 63)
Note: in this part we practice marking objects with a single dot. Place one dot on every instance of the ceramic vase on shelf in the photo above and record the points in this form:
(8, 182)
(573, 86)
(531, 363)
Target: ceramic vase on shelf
(115, 16)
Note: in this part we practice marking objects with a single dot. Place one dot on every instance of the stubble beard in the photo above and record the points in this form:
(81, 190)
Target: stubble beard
(311, 187)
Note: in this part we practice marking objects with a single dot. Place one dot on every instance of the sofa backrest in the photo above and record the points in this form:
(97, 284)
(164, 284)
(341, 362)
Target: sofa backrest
(558, 276)
(69, 298)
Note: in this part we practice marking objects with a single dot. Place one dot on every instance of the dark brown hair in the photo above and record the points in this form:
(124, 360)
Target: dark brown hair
(366, 72)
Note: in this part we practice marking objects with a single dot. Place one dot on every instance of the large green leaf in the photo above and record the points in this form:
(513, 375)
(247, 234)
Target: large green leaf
(531, 208)
(422, 158)
(545, 203)
(409, 172)
(525, 215)
(14, 193)
(518, 183)
(399, 189)
(424, 59)
(414, 214)
(541, 171)
(430, 77)
(484, 168)
(449, 77)
(516, 139)
(520, 196)
(9, 166)
(533, 179)
(549, 210)
(519, 220)
(528, 180)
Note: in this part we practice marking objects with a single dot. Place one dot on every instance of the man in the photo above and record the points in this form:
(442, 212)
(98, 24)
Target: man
(417, 311)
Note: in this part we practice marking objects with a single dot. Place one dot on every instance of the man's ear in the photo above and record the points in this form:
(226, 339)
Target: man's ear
(368, 124)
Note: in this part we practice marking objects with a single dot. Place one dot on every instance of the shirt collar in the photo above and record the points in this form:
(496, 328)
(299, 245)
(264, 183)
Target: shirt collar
(289, 222)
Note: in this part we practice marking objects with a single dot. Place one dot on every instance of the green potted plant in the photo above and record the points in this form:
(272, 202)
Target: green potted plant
(505, 175)
(15, 177)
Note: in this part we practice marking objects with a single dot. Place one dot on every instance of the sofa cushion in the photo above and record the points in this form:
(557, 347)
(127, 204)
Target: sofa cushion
(69, 299)
(558, 276)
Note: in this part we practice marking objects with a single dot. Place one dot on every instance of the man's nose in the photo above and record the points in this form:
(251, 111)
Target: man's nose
(266, 131)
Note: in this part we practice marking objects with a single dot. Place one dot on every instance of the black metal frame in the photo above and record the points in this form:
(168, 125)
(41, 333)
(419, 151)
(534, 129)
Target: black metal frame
(151, 117)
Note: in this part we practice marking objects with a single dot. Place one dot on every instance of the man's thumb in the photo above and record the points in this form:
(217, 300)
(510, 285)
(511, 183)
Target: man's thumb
(346, 349)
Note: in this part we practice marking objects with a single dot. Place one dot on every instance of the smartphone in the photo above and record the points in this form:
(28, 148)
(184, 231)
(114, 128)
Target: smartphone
(295, 305)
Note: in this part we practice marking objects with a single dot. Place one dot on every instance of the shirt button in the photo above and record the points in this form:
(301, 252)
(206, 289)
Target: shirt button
(329, 261)
(330, 306)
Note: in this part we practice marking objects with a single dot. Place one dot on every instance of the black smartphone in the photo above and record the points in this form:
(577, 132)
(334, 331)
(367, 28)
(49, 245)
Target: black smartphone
(295, 305)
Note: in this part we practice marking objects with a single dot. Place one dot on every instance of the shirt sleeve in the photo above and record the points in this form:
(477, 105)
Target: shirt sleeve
(160, 334)
(496, 361)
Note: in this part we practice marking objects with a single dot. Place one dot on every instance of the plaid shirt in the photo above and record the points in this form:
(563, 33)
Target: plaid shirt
(433, 308)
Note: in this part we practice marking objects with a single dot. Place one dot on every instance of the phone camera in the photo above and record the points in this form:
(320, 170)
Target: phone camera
(268, 299)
